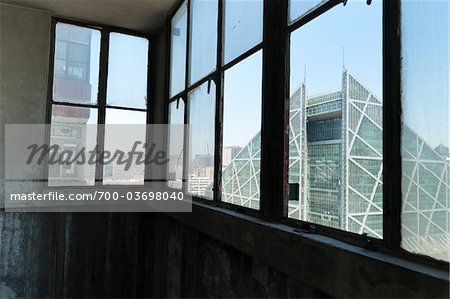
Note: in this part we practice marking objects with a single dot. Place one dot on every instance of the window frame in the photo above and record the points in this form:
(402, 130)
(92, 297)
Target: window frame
(276, 58)
(101, 104)
(217, 76)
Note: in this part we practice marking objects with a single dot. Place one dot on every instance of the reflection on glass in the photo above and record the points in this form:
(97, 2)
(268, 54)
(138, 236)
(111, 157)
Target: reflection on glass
(203, 39)
(123, 129)
(242, 30)
(178, 50)
(298, 8)
(72, 129)
(335, 124)
(201, 118)
(76, 64)
(426, 128)
(127, 71)
(241, 154)
(176, 139)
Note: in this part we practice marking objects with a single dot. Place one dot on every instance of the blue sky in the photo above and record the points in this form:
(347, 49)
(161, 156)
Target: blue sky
(351, 34)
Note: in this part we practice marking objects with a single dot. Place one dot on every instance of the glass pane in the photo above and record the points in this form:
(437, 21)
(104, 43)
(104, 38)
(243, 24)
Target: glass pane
(72, 129)
(242, 30)
(298, 8)
(203, 39)
(335, 144)
(176, 139)
(76, 64)
(426, 128)
(127, 71)
(201, 144)
(241, 157)
(178, 50)
(123, 129)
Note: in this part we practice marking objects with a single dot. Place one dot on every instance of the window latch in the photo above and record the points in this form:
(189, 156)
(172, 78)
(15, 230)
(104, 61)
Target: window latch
(368, 244)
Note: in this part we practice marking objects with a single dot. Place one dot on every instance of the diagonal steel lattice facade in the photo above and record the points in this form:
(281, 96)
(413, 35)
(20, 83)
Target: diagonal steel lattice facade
(335, 159)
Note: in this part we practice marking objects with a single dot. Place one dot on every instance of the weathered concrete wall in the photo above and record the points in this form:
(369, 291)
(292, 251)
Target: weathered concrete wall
(24, 63)
(153, 255)
(27, 241)
(199, 266)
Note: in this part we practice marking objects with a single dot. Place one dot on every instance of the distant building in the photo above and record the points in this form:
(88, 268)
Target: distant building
(200, 181)
(228, 154)
(203, 160)
(71, 84)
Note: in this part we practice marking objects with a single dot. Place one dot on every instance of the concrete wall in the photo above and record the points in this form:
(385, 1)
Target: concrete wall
(27, 241)
(24, 63)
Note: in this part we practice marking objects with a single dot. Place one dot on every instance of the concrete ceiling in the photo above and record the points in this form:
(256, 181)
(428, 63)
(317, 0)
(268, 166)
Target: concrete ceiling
(140, 15)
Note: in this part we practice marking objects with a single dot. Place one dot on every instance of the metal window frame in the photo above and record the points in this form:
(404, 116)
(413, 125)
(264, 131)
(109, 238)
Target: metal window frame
(216, 76)
(101, 104)
(275, 121)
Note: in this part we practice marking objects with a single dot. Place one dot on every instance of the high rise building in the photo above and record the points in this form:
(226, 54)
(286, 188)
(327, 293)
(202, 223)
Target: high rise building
(336, 160)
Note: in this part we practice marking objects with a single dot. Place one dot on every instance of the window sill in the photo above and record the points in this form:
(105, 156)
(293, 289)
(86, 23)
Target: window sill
(333, 267)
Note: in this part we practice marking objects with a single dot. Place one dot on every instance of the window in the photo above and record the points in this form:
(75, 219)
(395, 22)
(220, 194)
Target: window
(120, 134)
(299, 92)
(175, 175)
(336, 119)
(178, 53)
(242, 27)
(203, 39)
(76, 64)
(201, 118)
(127, 71)
(73, 128)
(426, 129)
(84, 98)
(241, 153)
(218, 74)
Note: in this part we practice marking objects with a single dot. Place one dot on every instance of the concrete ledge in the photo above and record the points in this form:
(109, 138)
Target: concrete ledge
(333, 267)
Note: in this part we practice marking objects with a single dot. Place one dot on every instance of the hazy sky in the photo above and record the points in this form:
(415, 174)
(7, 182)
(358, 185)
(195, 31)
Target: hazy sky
(426, 69)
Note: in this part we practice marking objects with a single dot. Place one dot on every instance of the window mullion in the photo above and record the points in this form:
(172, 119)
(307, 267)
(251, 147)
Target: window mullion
(392, 163)
(103, 83)
(275, 111)
(150, 106)
(184, 97)
(185, 144)
(219, 108)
